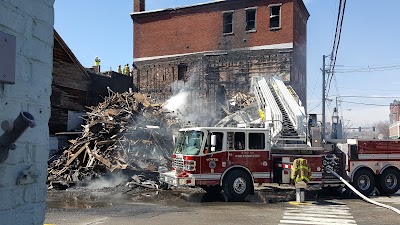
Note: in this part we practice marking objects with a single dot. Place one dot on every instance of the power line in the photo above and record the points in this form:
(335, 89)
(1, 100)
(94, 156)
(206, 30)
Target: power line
(369, 67)
(360, 96)
(315, 107)
(361, 103)
(366, 70)
(339, 36)
(335, 48)
(361, 89)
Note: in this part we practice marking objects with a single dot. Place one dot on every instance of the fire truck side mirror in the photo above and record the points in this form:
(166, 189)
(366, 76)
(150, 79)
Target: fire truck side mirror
(213, 142)
(353, 152)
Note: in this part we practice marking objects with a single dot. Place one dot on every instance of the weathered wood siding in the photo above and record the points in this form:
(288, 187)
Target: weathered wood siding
(69, 88)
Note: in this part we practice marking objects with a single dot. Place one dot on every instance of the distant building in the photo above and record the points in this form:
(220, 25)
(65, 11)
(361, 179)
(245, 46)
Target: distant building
(221, 45)
(365, 133)
(394, 128)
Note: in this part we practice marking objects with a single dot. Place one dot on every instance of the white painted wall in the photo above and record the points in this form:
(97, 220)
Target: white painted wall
(32, 24)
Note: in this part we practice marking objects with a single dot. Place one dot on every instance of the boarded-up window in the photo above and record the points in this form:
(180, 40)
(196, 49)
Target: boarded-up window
(275, 17)
(228, 22)
(250, 19)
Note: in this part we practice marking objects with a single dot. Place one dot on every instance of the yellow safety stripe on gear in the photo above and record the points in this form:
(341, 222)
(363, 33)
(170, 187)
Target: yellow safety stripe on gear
(302, 167)
(302, 178)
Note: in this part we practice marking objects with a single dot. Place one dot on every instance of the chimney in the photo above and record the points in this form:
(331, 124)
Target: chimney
(139, 5)
(96, 66)
(96, 69)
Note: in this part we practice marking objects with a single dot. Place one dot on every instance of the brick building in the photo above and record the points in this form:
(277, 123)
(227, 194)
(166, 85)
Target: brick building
(394, 128)
(213, 49)
(28, 26)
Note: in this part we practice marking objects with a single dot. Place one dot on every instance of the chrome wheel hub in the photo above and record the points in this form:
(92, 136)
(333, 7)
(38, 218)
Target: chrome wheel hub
(239, 185)
(391, 181)
(364, 182)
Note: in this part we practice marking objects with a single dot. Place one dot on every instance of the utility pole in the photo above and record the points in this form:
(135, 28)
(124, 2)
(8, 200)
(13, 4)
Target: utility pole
(323, 99)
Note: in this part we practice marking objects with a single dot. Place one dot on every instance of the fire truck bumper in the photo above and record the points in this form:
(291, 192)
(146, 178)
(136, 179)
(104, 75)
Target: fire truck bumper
(172, 178)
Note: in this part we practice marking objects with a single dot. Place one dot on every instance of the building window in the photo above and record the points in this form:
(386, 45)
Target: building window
(250, 19)
(228, 22)
(275, 17)
(182, 69)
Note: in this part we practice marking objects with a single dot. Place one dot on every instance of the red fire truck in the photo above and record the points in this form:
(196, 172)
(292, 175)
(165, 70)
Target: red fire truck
(233, 159)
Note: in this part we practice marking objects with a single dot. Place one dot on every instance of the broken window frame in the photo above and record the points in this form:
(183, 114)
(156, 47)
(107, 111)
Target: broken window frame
(182, 70)
(254, 28)
(275, 16)
(225, 23)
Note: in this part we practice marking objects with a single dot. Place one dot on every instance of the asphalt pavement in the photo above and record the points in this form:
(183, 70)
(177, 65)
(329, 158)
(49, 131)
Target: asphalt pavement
(269, 206)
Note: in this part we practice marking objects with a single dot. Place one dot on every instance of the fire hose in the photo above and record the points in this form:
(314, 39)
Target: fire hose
(361, 195)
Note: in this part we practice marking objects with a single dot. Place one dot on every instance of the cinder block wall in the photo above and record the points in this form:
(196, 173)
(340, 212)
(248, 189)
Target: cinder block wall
(32, 24)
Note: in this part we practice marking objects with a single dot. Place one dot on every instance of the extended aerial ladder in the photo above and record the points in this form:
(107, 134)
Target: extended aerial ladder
(284, 114)
(282, 110)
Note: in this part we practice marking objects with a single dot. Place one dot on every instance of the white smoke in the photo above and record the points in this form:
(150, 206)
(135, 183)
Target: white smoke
(177, 102)
(186, 104)
(108, 182)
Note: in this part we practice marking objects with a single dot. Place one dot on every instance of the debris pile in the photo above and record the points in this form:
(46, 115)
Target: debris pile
(124, 132)
(243, 109)
(240, 101)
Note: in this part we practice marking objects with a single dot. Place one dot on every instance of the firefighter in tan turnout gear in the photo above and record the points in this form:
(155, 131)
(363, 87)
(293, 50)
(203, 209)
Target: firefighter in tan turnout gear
(301, 171)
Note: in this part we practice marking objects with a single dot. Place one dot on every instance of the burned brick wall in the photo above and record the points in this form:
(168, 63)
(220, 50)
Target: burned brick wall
(211, 79)
(254, 42)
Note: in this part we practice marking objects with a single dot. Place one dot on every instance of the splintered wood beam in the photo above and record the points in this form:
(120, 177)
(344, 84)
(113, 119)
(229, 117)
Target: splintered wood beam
(103, 160)
(76, 154)
(106, 142)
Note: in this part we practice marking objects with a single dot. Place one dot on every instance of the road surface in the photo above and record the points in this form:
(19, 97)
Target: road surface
(173, 207)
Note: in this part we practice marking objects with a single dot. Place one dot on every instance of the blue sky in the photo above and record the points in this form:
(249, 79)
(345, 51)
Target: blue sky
(369, 40)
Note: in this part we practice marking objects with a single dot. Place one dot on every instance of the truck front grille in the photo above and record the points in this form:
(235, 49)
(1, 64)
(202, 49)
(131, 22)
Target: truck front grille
(178, 164)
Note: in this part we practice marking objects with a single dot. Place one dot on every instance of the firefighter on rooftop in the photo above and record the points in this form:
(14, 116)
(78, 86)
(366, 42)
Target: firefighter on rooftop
(119, 69)
(126, 70)
(97, 61)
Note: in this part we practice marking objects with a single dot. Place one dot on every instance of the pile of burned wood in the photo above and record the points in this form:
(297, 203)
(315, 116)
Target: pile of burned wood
(239, 101)
(125, 131)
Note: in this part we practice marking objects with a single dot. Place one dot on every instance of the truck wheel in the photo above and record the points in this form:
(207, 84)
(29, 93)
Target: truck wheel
(237, 185)
(212, 189)
(364, 181)
(389, 181)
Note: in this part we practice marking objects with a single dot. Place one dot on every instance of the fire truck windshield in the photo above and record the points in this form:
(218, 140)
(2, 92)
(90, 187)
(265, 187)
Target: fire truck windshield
(188, 142)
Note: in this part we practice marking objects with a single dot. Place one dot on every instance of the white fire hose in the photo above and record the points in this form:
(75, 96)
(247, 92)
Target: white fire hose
(361, 195)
